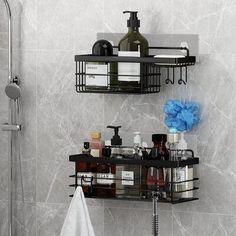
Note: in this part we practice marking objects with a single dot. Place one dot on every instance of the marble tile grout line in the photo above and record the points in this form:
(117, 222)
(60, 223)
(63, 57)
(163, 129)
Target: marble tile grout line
(36, 172)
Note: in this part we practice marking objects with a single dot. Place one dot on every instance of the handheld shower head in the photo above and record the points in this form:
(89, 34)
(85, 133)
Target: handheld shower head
(13, 91)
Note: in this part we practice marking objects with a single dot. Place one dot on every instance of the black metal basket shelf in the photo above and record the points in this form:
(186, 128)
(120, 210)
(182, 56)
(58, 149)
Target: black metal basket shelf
(80, 158)
(152, 70)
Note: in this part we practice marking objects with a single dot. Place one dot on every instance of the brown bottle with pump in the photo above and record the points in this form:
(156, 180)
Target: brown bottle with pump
(116, 143)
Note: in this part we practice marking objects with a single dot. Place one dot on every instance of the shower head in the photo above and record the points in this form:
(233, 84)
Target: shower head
(13, 91)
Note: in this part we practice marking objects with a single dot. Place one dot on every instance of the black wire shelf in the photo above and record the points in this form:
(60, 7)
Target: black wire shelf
(176, 195)
(171, 69)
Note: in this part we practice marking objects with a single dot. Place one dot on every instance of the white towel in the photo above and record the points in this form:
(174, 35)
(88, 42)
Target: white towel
(77, 222)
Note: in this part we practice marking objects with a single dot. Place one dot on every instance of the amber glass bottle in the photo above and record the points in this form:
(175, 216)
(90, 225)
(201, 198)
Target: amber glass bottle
(88, 181)
(106, 187)
(106, 180)
(86, 173)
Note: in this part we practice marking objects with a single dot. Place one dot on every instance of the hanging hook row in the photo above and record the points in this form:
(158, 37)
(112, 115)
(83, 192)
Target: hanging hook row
(171, 75)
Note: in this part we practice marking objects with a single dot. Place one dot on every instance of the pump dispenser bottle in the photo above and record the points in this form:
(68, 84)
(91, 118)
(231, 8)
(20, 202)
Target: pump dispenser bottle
(133, 44)
(116, 142)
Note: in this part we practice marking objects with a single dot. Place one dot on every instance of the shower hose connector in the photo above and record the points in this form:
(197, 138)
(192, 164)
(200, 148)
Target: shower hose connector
(7, 127)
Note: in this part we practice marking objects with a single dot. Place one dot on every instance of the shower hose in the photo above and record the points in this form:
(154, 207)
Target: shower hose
(155, 227)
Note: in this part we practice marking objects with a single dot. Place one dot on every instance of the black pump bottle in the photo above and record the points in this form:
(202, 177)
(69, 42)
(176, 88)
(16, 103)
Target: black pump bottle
(133, 40)
(133, 44)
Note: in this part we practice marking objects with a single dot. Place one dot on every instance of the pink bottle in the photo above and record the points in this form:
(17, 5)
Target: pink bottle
(96, 144)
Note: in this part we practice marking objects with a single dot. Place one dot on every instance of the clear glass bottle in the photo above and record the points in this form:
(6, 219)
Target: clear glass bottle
(120, 190)
(131, 179)
(182, 176)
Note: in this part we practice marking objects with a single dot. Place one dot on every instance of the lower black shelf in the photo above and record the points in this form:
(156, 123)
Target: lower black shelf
(145, 200)
(133, 179)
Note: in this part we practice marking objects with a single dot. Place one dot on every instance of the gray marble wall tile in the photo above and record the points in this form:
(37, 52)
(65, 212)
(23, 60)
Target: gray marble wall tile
(132, 222)
(86, 22)
(28, 37)
(3, 40)
(93, 202)
(28, 169)
(55, 21)
(134, 113)
(211, 20)
(191, 224)
(3, 59)
(192, 17)
(3, 13)
(50, 218)
(4, 179)
(221, 28)
(97, 219)
(3, 117)
(135, 205)
(3, 218)
(159, 16)
(25, 219)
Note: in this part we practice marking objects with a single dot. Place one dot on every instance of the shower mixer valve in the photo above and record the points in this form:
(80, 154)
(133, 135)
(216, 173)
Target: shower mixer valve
(16, 80)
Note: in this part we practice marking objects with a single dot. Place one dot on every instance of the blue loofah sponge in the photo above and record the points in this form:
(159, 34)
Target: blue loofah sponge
(181, 116)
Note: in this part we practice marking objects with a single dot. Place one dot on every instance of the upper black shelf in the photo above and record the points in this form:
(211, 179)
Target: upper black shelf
(161, 61)
(172, 68)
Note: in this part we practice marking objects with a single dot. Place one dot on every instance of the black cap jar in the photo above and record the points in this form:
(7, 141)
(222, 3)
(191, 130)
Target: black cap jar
(102, 48)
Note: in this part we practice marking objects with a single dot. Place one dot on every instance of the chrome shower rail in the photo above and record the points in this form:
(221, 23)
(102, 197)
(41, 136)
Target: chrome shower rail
(9, 40)
(13, 126)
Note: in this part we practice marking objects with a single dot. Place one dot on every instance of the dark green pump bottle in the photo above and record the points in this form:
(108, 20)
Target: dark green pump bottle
(133, 44)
